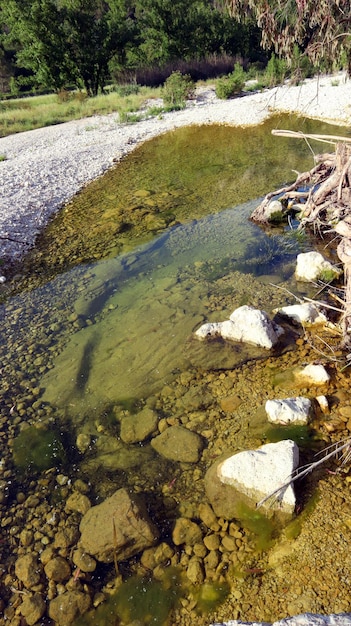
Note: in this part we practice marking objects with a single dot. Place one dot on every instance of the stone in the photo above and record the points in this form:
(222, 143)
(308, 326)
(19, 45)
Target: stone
(117, 528)
(78, 502)
(57, 569)
(68, 606)
(179, 444)
(195, 571)
(311, 266)
(257, 473)
(28, 570)
(323, 403)
(274, 209)
(186, 531)
(136, 428)
(306, 313)
(207, 516)
(289, 411)
(246, 324)
(84, 561)
(312, 375)
(33, 608)
(305, 619)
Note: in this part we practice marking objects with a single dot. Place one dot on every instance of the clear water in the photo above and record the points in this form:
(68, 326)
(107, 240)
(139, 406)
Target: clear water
(119, 282)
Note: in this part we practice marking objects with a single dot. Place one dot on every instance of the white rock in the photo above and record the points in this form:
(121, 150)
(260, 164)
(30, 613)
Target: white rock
(323, 403)
(306, 313)
(305, 619)
(2, 279)
(310, 266)
(275, 207)
(259, 472)
(313, 375)
(289, 411)
(252, 326)
(246, 324)
(210, 329)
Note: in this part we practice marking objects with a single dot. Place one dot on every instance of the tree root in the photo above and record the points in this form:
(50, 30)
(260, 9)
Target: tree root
(322, 200)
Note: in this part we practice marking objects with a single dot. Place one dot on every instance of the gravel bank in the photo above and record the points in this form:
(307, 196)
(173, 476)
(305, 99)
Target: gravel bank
(45, 168)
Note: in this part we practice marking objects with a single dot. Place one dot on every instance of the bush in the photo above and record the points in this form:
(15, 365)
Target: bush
(230, 85)
(177, 88)
(276, 71)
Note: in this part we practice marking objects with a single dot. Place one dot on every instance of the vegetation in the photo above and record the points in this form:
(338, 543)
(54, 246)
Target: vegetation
(57, 44)
(231, 85)
(320, 29)
(177, 88)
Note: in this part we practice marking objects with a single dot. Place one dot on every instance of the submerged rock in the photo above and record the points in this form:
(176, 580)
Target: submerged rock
(289, 411)
(118, 527)
(135, 428)
(311, 266)
(246, 324)
(179, 444)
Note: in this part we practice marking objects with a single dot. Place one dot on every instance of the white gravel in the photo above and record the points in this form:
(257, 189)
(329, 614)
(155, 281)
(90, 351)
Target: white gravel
(45, 168)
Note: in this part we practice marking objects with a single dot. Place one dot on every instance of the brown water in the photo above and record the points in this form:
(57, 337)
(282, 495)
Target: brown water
(119, 282)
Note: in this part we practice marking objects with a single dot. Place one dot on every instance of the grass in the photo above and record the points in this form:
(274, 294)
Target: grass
(23, 114)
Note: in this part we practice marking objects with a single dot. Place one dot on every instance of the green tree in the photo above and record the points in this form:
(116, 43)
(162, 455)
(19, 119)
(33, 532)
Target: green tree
(67, 42)
(184, 29)
(321, 29)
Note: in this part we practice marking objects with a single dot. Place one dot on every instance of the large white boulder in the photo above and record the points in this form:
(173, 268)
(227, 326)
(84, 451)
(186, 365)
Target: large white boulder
(312, 265)
(246, 324)
(312, 375)
(289, 411)
(306, 313)
(257, 473)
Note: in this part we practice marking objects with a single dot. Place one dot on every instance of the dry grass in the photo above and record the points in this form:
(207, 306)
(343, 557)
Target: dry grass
(35, 112)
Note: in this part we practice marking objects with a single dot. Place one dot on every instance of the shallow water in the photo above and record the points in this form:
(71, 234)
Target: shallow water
(90, 341)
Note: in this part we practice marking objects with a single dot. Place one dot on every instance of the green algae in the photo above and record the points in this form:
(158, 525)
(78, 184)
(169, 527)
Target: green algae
(140, 599)
(38, 449)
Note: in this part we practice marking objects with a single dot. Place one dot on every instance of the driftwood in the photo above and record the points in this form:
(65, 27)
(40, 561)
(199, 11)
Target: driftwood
(322, 200)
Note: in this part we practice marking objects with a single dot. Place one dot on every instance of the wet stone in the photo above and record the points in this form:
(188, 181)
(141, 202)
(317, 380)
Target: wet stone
(179, 444)
(186, 531)
(28, 570)
(135, 428)
(65, 608)
(195, 571)
(33, 608)
(84, 561)
(78, 502)
(58, 569)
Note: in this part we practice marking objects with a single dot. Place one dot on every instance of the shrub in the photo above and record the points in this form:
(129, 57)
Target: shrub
(276, 71)
(177, 88)
(230, 85)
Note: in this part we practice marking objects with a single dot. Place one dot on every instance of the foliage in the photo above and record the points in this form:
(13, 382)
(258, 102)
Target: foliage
(177, 88)
(231, 85)
(276, 71)
(70, 42)
(321, 29)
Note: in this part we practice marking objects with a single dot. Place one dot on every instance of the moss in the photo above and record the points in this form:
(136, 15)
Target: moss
(36, 449)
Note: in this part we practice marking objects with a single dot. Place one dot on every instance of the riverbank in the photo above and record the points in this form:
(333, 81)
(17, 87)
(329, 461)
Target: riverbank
(44, 168)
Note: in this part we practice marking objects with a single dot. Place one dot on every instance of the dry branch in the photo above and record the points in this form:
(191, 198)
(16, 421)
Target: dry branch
(323, 198)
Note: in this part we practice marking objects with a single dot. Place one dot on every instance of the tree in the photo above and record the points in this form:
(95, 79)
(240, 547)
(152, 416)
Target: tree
(184, 29)
(321, 29)
(67, 42)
